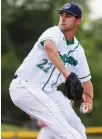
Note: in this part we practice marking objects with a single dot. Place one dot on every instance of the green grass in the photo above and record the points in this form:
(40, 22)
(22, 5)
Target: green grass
(94, 136)
(7, 127)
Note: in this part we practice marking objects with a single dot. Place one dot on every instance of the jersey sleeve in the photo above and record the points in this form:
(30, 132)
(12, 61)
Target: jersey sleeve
(49, 34)
(82, 69)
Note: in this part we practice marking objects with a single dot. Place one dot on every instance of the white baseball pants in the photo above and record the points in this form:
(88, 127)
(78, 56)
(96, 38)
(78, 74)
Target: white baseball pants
(69, 114)
(47, 133)
(32, 100)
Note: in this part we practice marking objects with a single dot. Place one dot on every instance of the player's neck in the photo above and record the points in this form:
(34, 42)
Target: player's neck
(69, 34)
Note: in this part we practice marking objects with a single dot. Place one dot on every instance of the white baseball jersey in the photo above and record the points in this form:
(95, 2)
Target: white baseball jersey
(38, 69)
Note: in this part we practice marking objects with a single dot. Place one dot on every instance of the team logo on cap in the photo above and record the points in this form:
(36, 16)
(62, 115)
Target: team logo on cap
(67, 6)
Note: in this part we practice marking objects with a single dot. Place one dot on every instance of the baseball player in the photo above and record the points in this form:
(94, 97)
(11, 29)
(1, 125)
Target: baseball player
(56, 55)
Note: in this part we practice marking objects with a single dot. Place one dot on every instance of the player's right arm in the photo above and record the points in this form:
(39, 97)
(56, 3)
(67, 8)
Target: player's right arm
(54, 57)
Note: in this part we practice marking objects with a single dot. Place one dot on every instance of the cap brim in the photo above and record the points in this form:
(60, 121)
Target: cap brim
(60, 11)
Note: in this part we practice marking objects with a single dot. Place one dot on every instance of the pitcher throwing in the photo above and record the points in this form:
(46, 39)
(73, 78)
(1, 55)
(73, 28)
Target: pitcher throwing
(56, 57)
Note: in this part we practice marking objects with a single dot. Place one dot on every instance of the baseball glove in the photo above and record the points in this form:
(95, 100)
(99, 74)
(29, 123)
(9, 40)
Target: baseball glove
(74, 90)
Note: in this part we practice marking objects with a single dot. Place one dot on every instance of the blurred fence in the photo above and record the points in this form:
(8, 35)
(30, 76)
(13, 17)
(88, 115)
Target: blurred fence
(29, 134)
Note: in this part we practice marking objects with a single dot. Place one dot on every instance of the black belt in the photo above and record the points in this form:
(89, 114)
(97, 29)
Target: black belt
(15, 76)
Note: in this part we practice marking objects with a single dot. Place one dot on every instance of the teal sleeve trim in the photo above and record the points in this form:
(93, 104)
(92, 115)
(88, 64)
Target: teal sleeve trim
(42, 43)
(47, 38)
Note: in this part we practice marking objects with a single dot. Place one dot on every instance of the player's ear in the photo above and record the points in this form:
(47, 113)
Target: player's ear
(78, 21)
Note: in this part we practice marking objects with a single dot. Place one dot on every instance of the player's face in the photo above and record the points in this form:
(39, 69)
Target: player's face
(68, 22)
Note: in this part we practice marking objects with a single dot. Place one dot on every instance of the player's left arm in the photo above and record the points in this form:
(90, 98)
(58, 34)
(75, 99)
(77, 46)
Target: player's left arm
(84, 75)
(88, 94)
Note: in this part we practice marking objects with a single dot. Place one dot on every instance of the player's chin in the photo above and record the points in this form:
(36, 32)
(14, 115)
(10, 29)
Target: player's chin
(62, 27)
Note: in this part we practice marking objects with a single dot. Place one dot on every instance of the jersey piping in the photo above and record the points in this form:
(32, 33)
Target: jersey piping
(84, 77)
(48, 78)
(56, 80)
(74, 49)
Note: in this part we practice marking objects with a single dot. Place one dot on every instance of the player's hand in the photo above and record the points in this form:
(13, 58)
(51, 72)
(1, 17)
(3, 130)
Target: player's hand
(86, 108)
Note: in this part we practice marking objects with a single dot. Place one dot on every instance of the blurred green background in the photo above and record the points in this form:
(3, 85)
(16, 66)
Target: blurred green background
(23, 21)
